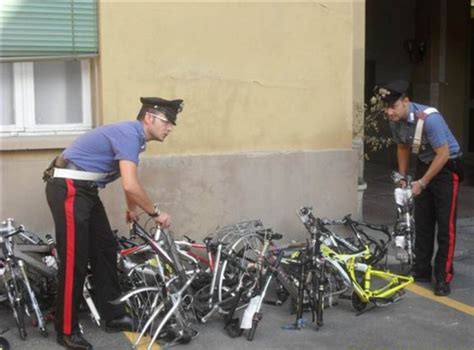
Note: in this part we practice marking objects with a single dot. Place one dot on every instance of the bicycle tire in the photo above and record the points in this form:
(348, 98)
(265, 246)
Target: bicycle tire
(246, 250)
(19, 315)
(202, 296)
(252, 330)
(4, 344)
(141, 307)
(357, 303)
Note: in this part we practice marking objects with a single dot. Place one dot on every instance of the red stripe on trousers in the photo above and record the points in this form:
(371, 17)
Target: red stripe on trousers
(70, 256)
(452, 231)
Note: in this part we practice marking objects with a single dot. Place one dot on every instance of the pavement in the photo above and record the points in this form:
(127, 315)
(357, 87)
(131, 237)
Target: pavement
(418, 321)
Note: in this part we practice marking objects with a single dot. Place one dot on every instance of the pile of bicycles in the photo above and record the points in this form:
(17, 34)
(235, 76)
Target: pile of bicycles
(28, 270)
(171, 285)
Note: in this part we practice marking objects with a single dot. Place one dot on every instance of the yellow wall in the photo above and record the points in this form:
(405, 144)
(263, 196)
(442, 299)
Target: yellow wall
(254, 76)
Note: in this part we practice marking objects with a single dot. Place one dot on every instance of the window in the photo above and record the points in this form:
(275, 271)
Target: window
(47, 97)
(45, 67)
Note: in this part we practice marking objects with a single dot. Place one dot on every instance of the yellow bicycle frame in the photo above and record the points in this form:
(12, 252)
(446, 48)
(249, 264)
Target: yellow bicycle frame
(351, 265)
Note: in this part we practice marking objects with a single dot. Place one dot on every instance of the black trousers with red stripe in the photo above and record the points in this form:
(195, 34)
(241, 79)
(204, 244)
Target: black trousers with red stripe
(436, 206)
(83, 235)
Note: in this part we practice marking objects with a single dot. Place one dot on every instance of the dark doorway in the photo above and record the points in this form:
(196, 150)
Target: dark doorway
(429, 43)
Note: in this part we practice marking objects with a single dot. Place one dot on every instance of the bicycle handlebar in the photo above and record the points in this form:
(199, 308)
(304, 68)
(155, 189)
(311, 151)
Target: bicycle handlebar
(8, 232)
(397, 178)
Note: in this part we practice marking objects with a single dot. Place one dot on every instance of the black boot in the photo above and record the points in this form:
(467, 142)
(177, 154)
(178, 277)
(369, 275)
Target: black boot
(75, 341)
(122, 323)
(442, 289)
(421, 277)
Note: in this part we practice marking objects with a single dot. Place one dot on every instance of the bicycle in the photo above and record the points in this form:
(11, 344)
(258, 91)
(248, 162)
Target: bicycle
(19, 291)
(357, 274)
(404, 228)
(159, 301)
(261, 272)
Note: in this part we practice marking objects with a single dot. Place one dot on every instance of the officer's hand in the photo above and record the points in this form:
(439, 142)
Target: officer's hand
(131, 215)
(164, 220)
(416, 188)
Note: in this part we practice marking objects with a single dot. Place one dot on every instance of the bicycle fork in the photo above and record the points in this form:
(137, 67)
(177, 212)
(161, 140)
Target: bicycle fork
(32, 297)
(90, 303)
(255, 305)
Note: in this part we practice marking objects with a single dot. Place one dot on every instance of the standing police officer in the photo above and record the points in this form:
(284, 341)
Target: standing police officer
(83, 232)
(422, 130)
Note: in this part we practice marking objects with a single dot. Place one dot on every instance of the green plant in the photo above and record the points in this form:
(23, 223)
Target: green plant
(369, 122)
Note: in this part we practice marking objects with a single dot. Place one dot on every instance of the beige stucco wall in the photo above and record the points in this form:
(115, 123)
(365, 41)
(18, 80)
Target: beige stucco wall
(254, 76)
(203, 191)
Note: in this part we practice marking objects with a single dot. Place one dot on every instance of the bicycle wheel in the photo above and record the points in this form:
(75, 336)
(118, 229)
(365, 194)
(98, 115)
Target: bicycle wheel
(333, 285)
(201, 300)
(251, 332)
(141, 306)
(357, 303)
(179, 329)
(244, 254)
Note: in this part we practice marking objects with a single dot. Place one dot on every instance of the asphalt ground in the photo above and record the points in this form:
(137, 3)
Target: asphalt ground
(419, 321)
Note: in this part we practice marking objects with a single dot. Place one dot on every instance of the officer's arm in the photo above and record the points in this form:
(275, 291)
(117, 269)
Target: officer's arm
(134, 193)
(403, 158)
(440, 159)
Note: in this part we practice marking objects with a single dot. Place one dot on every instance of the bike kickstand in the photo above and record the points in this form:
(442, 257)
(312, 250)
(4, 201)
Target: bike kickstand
(301, 323)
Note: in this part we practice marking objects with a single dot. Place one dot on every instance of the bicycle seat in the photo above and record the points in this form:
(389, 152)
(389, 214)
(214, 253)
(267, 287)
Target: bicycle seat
(213, 245)
(270, 235)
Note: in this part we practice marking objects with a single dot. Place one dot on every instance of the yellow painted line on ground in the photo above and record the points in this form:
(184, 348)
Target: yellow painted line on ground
(426, 293)
(145, 340)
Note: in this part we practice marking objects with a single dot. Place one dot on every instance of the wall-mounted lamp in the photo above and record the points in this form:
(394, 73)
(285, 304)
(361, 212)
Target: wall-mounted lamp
(416, 49)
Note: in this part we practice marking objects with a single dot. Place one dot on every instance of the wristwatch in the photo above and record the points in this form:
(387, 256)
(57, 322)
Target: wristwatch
(422, 184)
(156, 213)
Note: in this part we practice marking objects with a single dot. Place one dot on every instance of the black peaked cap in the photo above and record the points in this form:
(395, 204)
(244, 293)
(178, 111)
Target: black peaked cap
(170, 108)
(392, 91)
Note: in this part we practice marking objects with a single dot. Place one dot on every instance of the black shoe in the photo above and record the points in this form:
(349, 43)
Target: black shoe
(421, 277)
(122, 323)
(442, 289)
(74, 341)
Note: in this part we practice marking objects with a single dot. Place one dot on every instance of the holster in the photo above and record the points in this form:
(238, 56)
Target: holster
(48, 172)
(456, 165)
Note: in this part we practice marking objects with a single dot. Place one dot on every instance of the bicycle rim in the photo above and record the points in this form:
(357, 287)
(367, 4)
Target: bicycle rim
(246, 251)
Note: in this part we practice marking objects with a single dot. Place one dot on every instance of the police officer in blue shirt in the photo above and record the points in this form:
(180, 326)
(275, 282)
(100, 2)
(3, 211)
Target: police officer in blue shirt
(423, 131)
(83, 231)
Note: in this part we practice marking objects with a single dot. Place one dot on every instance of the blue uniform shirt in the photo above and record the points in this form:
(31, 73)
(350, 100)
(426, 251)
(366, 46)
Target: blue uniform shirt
(101, 149)
(435, 133)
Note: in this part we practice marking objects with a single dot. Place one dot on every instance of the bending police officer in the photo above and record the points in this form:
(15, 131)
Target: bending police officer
(423, 131)
(83, 231)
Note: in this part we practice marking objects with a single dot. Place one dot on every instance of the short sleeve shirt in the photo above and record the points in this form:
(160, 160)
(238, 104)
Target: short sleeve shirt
(435, 133)
(101, 149)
